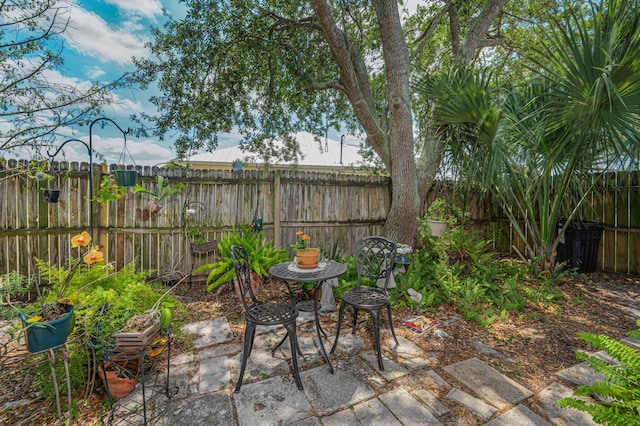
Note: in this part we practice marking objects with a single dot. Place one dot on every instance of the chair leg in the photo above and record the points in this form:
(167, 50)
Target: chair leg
(375, 315)
(249, 333)
(293, 339)
(284, 339)
(393, 333)
(355, 320)
(335, 341)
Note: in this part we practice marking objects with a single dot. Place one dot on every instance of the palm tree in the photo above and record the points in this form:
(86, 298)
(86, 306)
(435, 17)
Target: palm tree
(532, 147)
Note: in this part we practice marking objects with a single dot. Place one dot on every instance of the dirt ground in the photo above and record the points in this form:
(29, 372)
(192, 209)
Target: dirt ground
(531, 346)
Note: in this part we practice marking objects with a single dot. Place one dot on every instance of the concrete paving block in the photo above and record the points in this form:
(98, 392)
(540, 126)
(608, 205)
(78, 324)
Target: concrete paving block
(521, 416)
(341, 418)
(365, 371)
(210, 409)
(260, 365)
(373, 412)
(548, 400)
(415, 363)
(407, 409)
(272, 401)
(179, 379)
(348, 343)
(219, 350)
(215, 374)
(581, 374)
(330, 392)
(406, 347)
(210, 332)
(181, 359)
(478, 407)
(392, 370)
(489, 384)
(430, 401)
(631, 342)
(438, 380)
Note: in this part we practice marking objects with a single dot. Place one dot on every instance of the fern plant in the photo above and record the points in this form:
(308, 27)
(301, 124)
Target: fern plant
(262, 255)
(618, 396)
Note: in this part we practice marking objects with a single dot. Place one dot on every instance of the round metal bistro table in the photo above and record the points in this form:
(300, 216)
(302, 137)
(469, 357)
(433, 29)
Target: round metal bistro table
(288, 271)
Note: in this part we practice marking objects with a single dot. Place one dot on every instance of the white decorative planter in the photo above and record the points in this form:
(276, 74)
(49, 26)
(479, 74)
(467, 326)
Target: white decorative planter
(437, 227)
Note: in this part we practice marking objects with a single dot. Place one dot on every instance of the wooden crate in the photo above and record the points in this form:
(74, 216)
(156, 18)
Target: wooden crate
(138, 340)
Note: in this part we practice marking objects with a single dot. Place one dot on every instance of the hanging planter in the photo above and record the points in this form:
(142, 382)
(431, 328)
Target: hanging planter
(47, 335)
(126, 177)
(51, 195)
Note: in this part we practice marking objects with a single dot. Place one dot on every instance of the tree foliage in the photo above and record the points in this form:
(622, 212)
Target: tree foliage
(35, 99)
(271, 68)
(533, 144)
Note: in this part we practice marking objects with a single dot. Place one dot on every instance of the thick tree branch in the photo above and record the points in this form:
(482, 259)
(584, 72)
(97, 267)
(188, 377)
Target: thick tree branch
(478, 29)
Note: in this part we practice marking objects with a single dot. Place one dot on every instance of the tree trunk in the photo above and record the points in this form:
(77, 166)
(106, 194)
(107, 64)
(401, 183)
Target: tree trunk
(401, 225)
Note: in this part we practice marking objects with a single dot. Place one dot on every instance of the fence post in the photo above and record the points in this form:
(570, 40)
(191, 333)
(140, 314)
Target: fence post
(275, 209)
(103, 215)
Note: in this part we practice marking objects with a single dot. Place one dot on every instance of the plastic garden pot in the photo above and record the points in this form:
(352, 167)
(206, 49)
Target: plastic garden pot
(126, 177)
(44, 336)
(51, 195)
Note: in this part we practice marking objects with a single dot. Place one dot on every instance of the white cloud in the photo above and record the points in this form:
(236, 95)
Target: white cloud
(110, 150)
(147, 8)
(90, 35)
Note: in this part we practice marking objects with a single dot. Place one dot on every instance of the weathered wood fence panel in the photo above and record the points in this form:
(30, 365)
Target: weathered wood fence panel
(334, 209)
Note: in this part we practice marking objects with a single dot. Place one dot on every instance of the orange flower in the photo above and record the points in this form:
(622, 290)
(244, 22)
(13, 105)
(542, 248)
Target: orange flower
(299, 233)
(93, 256)
(305, 238)
(81, 240)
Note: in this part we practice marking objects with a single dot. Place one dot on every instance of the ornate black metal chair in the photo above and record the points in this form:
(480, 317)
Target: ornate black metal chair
(375, 257)
(262, 313)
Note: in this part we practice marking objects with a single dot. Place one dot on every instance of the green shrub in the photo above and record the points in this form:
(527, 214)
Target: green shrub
(262, 255)
(459, 268)
(616, 399)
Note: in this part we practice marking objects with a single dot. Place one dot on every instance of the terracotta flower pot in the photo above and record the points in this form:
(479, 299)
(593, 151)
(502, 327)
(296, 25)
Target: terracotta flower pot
(117, 387)
(307, 259)
(437, 227)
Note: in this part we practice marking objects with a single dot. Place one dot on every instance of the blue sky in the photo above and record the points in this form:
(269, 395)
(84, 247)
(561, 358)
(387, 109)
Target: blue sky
(102, 38)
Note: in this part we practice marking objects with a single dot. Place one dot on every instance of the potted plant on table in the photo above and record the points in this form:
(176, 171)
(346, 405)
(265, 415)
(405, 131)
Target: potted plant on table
(306, 256)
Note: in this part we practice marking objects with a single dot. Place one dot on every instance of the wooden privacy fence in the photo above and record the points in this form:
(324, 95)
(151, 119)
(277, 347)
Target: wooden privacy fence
(335, 209)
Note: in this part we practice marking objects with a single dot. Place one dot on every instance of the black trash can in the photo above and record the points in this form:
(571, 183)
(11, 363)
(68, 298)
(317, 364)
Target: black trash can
(581, 243)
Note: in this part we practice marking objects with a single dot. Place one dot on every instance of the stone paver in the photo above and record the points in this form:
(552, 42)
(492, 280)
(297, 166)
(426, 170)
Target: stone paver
(520, 416)
(489, 384)
(209, 332)
(477, 406)
(430, 402)
(211, 409)
(581, 374)
(272, 401)
(330, 392)
(407, 409)
(547, 399)
(374, 412)
(392, 370)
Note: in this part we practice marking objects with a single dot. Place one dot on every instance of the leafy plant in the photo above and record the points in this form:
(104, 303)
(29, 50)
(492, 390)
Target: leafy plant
(616, 400)
(163, 189)
(262, 255)
(109, 190)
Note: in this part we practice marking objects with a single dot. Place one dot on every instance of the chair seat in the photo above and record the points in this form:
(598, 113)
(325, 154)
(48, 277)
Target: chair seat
(271, 313)
(366, 298)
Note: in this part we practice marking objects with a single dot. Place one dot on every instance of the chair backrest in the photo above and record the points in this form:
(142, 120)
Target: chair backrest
(243, 275)
(375, 258)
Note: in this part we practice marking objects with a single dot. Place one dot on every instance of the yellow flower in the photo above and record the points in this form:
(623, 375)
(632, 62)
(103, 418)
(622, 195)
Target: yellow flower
(81, 240)
(93, 256)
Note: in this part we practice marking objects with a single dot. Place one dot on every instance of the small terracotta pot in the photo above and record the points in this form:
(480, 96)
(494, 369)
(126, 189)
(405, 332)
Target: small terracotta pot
(307, 259)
